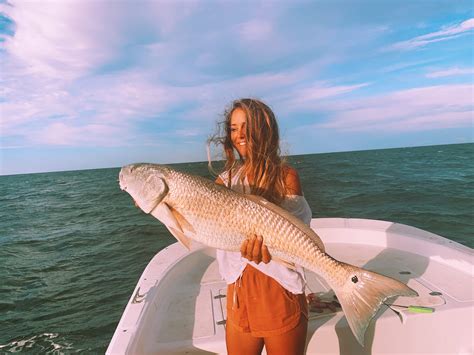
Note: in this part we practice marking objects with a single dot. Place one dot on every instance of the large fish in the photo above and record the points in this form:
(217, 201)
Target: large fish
(194, 208)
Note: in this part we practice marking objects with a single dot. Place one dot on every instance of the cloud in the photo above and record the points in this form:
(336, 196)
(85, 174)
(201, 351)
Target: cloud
(60, 133)
(193, 132)
(58, 39)
(64, 71)
(405, 65)
(442, 35)
(169, 15)
(255, 30)
(450, 72)
(312, 95)
(85, 73)
(122, 100)
(425, 108)
(208, 99)
(80, 114)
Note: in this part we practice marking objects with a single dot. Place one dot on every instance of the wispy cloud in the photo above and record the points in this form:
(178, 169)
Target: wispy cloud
(194, 132)
(60, 133)
(255, 30)
(426, 108)
(59, 40)
(169, 15)
(312, 95)
(122, 100)
(450, 72)
(404, 65)
(444, 34)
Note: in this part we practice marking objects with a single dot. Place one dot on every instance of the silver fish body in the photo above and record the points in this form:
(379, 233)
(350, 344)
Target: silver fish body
(194, 208)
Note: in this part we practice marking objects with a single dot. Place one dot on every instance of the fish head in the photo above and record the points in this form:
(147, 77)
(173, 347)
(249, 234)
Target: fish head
(146, 183)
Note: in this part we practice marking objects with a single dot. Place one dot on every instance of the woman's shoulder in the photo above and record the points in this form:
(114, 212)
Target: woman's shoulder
(224, 176)
(292, 181)
(289, 170)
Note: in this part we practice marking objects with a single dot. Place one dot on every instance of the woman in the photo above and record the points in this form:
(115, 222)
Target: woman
(266, 303)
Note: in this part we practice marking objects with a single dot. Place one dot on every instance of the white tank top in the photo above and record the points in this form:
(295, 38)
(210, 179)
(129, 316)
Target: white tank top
(232, 264)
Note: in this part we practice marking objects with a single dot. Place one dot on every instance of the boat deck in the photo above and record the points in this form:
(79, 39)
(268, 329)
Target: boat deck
(180, 301)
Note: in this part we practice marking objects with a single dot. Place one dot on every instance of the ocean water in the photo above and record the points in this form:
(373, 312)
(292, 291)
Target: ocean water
(73, 246)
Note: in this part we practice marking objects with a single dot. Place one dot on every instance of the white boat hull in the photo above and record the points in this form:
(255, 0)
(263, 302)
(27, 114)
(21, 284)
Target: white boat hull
(179, 303)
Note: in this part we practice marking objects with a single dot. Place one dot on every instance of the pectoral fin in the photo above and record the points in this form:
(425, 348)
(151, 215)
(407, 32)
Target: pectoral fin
(185, 241)
(169, 218)
(183, 222)
(163, 213)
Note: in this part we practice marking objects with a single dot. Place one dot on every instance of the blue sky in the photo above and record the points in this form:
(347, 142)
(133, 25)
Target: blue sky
(90, 84)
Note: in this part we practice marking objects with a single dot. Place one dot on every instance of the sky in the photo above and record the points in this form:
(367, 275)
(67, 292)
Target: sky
(93, 84)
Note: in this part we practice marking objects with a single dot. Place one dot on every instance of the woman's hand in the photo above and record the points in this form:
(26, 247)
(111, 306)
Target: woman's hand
(254, 250)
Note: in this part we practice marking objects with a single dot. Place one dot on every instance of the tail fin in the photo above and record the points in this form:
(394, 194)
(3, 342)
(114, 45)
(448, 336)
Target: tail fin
(363, 293)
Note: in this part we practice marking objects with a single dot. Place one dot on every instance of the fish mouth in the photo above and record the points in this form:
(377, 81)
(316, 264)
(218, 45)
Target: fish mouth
(124, 172)
(122, 185)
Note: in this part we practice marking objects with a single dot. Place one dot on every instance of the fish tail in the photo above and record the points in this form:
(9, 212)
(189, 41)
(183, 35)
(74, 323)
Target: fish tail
(362, 294)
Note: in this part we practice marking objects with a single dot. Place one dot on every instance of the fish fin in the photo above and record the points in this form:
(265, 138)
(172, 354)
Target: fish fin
(185, 241)
(287, 215)
(175, 223)
(183, 222)
(362, 295)
(284, 263)
(163, 213)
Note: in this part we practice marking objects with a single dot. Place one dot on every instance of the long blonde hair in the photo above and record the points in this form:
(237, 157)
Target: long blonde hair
(263, 165)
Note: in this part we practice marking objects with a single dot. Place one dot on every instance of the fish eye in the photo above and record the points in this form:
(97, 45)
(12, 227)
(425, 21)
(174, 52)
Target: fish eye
(354, 279)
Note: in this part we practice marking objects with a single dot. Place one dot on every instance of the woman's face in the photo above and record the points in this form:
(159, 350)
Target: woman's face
(238, 123)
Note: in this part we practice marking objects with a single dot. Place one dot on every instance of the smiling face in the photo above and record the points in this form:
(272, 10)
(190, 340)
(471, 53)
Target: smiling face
(251, 129)
(238, 127)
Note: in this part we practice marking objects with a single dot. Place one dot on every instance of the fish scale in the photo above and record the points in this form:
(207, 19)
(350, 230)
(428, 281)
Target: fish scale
(194, 208)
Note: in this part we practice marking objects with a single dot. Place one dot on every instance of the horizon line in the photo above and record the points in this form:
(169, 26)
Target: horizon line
(205, 161)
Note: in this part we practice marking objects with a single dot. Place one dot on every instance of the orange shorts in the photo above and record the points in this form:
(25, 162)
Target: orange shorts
(261, 306)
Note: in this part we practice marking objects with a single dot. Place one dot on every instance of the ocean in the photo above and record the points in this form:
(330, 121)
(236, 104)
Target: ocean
(73, 246)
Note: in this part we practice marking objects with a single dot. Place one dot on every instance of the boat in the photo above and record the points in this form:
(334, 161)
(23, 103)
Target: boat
(179, 303)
